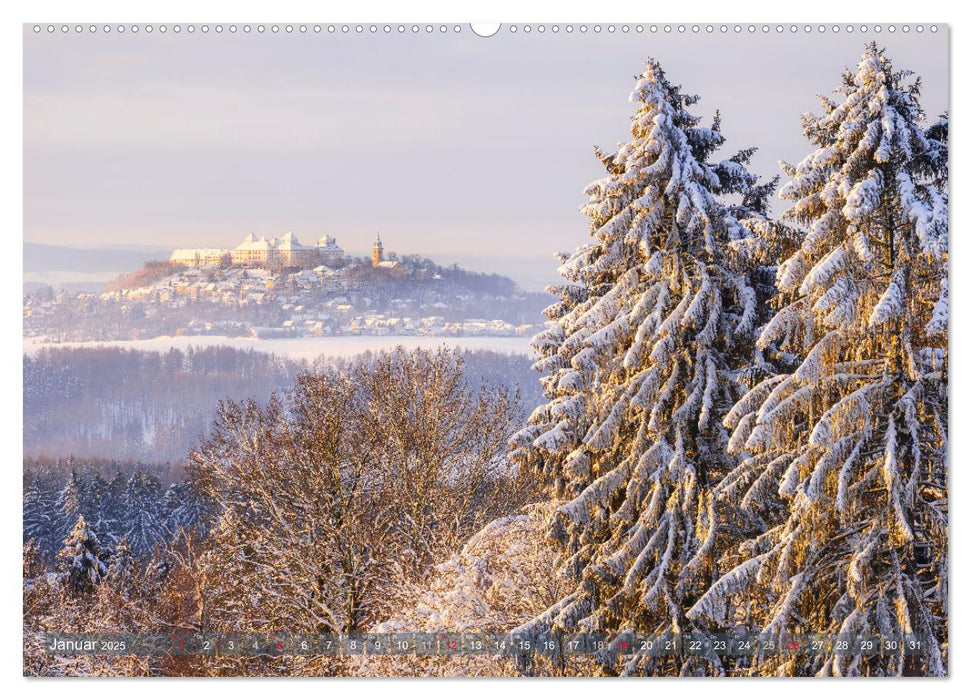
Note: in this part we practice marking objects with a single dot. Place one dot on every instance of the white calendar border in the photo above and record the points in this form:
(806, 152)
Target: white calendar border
(603, 11)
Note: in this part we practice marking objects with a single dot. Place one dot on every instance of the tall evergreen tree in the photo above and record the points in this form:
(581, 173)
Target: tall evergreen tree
(638, 368)
(113, 506)
(143, 524)
(82, 561)
(186, 507)
(32, 560)
(843, 482)
(121, 570)
(93, 502)
(935, 165)
(86, 494)
(70, 500)
(42, 519)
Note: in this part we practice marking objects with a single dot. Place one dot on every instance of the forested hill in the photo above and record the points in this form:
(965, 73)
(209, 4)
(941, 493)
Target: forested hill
(409, 295)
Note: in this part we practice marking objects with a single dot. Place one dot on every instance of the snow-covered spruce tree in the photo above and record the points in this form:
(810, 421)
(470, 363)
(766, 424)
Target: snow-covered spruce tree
(121, 570)
(32, 560)
(185, 507)
(82, 562)
(843, 474)
(69, 502)
(113, 503)
(93, 502)
(41, 514)
(936, 157)
(143, 523)
(638, 366)
(86, 494)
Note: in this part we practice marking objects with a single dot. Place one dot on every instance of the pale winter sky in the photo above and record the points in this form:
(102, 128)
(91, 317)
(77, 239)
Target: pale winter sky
(450, 144)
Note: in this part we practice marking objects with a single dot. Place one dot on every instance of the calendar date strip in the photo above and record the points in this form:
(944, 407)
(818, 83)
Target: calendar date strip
(482, 643)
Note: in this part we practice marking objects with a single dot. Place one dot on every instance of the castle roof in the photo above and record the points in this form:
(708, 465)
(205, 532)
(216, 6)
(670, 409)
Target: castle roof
(328, 242)
(253, 243)
(289, 242)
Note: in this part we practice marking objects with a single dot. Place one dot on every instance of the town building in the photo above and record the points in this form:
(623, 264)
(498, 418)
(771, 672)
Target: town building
(289, 252)
(286, 251)
(199, 257)
(253, 252)
(377, 252)
(331, 254)
(377, 258)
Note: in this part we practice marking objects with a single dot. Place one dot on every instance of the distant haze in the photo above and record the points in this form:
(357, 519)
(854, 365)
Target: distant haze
(453, 146)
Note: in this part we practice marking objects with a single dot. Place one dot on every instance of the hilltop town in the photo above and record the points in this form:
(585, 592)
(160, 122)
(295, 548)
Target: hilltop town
(278, 287)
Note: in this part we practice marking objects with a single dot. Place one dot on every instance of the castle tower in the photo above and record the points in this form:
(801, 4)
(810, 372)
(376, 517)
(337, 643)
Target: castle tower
(377, 252)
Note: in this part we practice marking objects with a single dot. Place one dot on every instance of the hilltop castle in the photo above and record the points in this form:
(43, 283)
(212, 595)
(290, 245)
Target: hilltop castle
(285, 251)
(277, 253)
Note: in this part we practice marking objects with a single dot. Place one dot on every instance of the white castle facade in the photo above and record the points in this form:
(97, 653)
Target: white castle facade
(254, 251)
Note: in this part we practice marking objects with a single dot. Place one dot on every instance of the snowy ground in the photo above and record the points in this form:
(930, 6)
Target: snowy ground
(304, 348)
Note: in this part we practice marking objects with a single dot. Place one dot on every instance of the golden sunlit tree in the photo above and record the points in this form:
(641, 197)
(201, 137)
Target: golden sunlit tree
(842, 482)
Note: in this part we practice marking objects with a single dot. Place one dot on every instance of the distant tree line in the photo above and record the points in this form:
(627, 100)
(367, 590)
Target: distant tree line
(123, 404)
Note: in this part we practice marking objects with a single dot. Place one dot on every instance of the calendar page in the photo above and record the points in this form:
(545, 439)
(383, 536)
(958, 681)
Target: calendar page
(544, 349)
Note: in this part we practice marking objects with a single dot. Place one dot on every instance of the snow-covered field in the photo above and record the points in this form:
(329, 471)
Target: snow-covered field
(303, 348)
